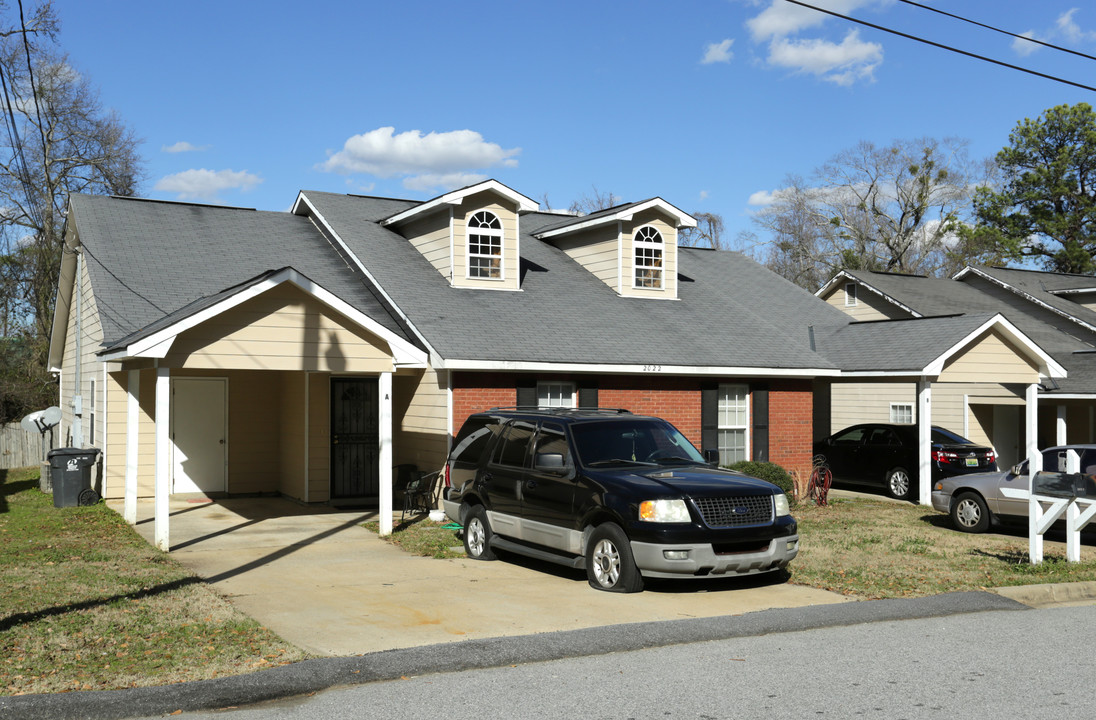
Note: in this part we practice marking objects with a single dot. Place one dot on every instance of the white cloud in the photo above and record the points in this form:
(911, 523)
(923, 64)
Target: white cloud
(763, 198)
(704, 194)
(446, 181)
(1065, 30)
(719, 52)
(205, 184)
(782, 18)
(435, 160)
(1070, 30)
(1023, 48)
(842, 64)
(183, 146)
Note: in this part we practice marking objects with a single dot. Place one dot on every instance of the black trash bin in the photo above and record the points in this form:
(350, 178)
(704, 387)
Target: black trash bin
(70, 472)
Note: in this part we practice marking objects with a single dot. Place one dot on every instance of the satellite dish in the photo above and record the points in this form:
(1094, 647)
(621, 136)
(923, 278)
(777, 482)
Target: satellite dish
(51, 416)
(41, 420)
(30, 422)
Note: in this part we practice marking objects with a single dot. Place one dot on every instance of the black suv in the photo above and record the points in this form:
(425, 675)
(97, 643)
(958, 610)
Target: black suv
(623, 496)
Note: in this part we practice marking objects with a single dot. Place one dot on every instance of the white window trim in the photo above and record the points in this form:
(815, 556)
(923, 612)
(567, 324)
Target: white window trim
(91, 411)
(746, 439)
(850, 295)
(894, 406)
(563, 384)
(637, 245)
(490, 232)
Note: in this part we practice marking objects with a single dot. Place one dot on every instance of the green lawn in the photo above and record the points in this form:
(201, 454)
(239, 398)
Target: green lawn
(85, 604)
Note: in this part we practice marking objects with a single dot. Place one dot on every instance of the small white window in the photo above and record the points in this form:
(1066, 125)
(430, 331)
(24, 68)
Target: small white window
(901, 413)
(556, 394)
(850, 294)
(485, 246)
(648, 257)
(734, 419)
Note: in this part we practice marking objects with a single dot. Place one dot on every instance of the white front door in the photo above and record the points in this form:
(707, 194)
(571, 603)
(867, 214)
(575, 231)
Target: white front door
(1007, 435)
(198, 431)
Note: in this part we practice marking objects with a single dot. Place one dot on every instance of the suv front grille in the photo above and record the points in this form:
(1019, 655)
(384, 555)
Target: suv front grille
(735, 511)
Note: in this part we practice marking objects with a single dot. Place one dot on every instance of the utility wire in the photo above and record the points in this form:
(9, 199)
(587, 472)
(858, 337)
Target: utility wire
(995, 29)
(943, 47)
(33, 88)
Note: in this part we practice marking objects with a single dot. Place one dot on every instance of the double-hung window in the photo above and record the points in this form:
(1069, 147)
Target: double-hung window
(485, 246)
(556, 394)
(734, 418)
(648, 257)
(901, 413)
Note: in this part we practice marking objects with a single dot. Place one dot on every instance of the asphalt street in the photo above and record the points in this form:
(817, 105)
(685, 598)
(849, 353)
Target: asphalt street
(314, 676)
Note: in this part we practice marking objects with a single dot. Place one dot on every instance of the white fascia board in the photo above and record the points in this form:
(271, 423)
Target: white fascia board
(159, 343)
(683, 219)
(1048, 366)
(66, 285)
(305, 206)
(606, 369)
(870, 288)
(1073, 291)
(1047, 397)
(911, 373)
(456, 197)
(1026, 296)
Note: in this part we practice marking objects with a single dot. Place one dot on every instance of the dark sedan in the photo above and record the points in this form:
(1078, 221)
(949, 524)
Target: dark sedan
(878, 454)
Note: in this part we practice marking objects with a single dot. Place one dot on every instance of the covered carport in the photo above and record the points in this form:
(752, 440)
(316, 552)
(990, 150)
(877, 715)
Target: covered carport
(943, 366)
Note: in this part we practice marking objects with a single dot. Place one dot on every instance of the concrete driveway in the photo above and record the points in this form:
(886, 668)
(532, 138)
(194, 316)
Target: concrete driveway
(321, 581)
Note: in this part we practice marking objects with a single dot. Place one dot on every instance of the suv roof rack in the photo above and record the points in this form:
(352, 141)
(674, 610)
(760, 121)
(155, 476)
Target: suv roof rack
(562, 410)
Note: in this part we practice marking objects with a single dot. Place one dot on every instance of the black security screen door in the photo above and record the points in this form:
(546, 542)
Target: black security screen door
(355, 438)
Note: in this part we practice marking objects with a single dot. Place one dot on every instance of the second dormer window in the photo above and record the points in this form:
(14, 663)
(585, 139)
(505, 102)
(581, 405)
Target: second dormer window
(484, 246)
(648, 258)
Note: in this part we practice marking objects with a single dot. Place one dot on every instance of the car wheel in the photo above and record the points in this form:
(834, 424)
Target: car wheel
(898, 484)
(609, 562)
(969, 513)
(477, 534)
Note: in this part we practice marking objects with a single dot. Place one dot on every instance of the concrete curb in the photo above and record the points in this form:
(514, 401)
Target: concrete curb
(1051, 594)
(321, 674)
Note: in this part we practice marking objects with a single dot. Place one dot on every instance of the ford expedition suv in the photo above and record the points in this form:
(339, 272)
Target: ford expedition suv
(623, 496)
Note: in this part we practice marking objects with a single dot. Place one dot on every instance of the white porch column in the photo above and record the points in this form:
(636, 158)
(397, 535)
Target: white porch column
(1060, 426)
(1035, 464)
(924, 442)
(384, 394)
(133, 419)
(163, 457)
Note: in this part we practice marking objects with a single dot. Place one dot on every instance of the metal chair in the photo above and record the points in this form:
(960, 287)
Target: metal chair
(418, 493)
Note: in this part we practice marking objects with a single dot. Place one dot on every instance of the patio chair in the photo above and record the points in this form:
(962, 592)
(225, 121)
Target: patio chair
(418, 493)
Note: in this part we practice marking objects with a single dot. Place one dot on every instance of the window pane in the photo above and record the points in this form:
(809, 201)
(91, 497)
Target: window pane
(732, 446)
(556, 394)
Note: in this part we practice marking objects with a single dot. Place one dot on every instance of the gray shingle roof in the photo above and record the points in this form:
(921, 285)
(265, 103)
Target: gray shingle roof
(731, 312)
(148, 260)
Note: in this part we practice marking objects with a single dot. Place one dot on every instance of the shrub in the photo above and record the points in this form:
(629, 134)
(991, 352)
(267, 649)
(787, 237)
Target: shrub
(767, 471)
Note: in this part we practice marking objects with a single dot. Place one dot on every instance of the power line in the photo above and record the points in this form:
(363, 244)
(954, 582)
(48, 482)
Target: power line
(996, 29)
(943, 47)
(34, 90)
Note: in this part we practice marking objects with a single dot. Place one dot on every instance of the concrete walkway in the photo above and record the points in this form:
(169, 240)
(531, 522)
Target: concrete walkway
(318, 579)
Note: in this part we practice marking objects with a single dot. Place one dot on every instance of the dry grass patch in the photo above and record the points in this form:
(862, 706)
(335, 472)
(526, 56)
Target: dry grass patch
(86, 604)
(880, 549)
(420, 536)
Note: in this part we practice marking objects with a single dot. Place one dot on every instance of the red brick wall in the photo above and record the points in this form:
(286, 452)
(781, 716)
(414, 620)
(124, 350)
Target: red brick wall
(790, 425)
(676, 399)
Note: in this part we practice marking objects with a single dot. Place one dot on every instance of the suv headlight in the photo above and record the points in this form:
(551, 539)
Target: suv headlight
(664, 511)
(782, 507)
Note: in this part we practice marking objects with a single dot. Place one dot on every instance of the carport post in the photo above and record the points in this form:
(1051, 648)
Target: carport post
(924, 441)
(1035, 464)
(1060, 426)
(133, 419)
(384, 395)
(163, 457)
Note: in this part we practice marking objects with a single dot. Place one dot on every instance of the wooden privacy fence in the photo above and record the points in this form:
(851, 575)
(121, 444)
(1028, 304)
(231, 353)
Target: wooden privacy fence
(19, 448)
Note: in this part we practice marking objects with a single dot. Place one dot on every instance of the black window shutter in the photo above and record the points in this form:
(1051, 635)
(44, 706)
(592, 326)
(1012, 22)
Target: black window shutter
(527, 392)
(587, 393)
(760, 432)
(709, 416)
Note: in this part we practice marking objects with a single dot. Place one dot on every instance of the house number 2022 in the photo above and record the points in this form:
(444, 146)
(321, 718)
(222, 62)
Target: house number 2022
(652, 368)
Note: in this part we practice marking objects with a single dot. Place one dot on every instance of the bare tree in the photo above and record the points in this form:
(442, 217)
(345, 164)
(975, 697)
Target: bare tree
(895, 208)
(59, 140)
(592, 203)
(707, 233)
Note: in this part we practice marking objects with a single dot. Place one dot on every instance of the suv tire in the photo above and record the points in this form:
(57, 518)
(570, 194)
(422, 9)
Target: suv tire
(609, 562)
(477, 534)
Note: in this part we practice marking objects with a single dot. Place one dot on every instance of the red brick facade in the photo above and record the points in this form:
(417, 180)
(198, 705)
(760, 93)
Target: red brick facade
(676, 399)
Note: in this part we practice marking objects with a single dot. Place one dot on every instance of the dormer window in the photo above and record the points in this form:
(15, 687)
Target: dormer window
(485, 246)
(648, 258)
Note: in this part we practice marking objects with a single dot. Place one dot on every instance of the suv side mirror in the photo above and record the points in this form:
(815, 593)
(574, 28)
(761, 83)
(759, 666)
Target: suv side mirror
(550, 462)
(712, 457)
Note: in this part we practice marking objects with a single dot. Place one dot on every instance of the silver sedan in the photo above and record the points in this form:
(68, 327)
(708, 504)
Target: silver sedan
(976, 501)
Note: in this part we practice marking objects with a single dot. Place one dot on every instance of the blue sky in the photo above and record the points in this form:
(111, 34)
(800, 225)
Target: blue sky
(709, 104)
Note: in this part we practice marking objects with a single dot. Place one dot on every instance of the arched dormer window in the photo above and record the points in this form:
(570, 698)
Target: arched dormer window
(648, 257)
(484, 245)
